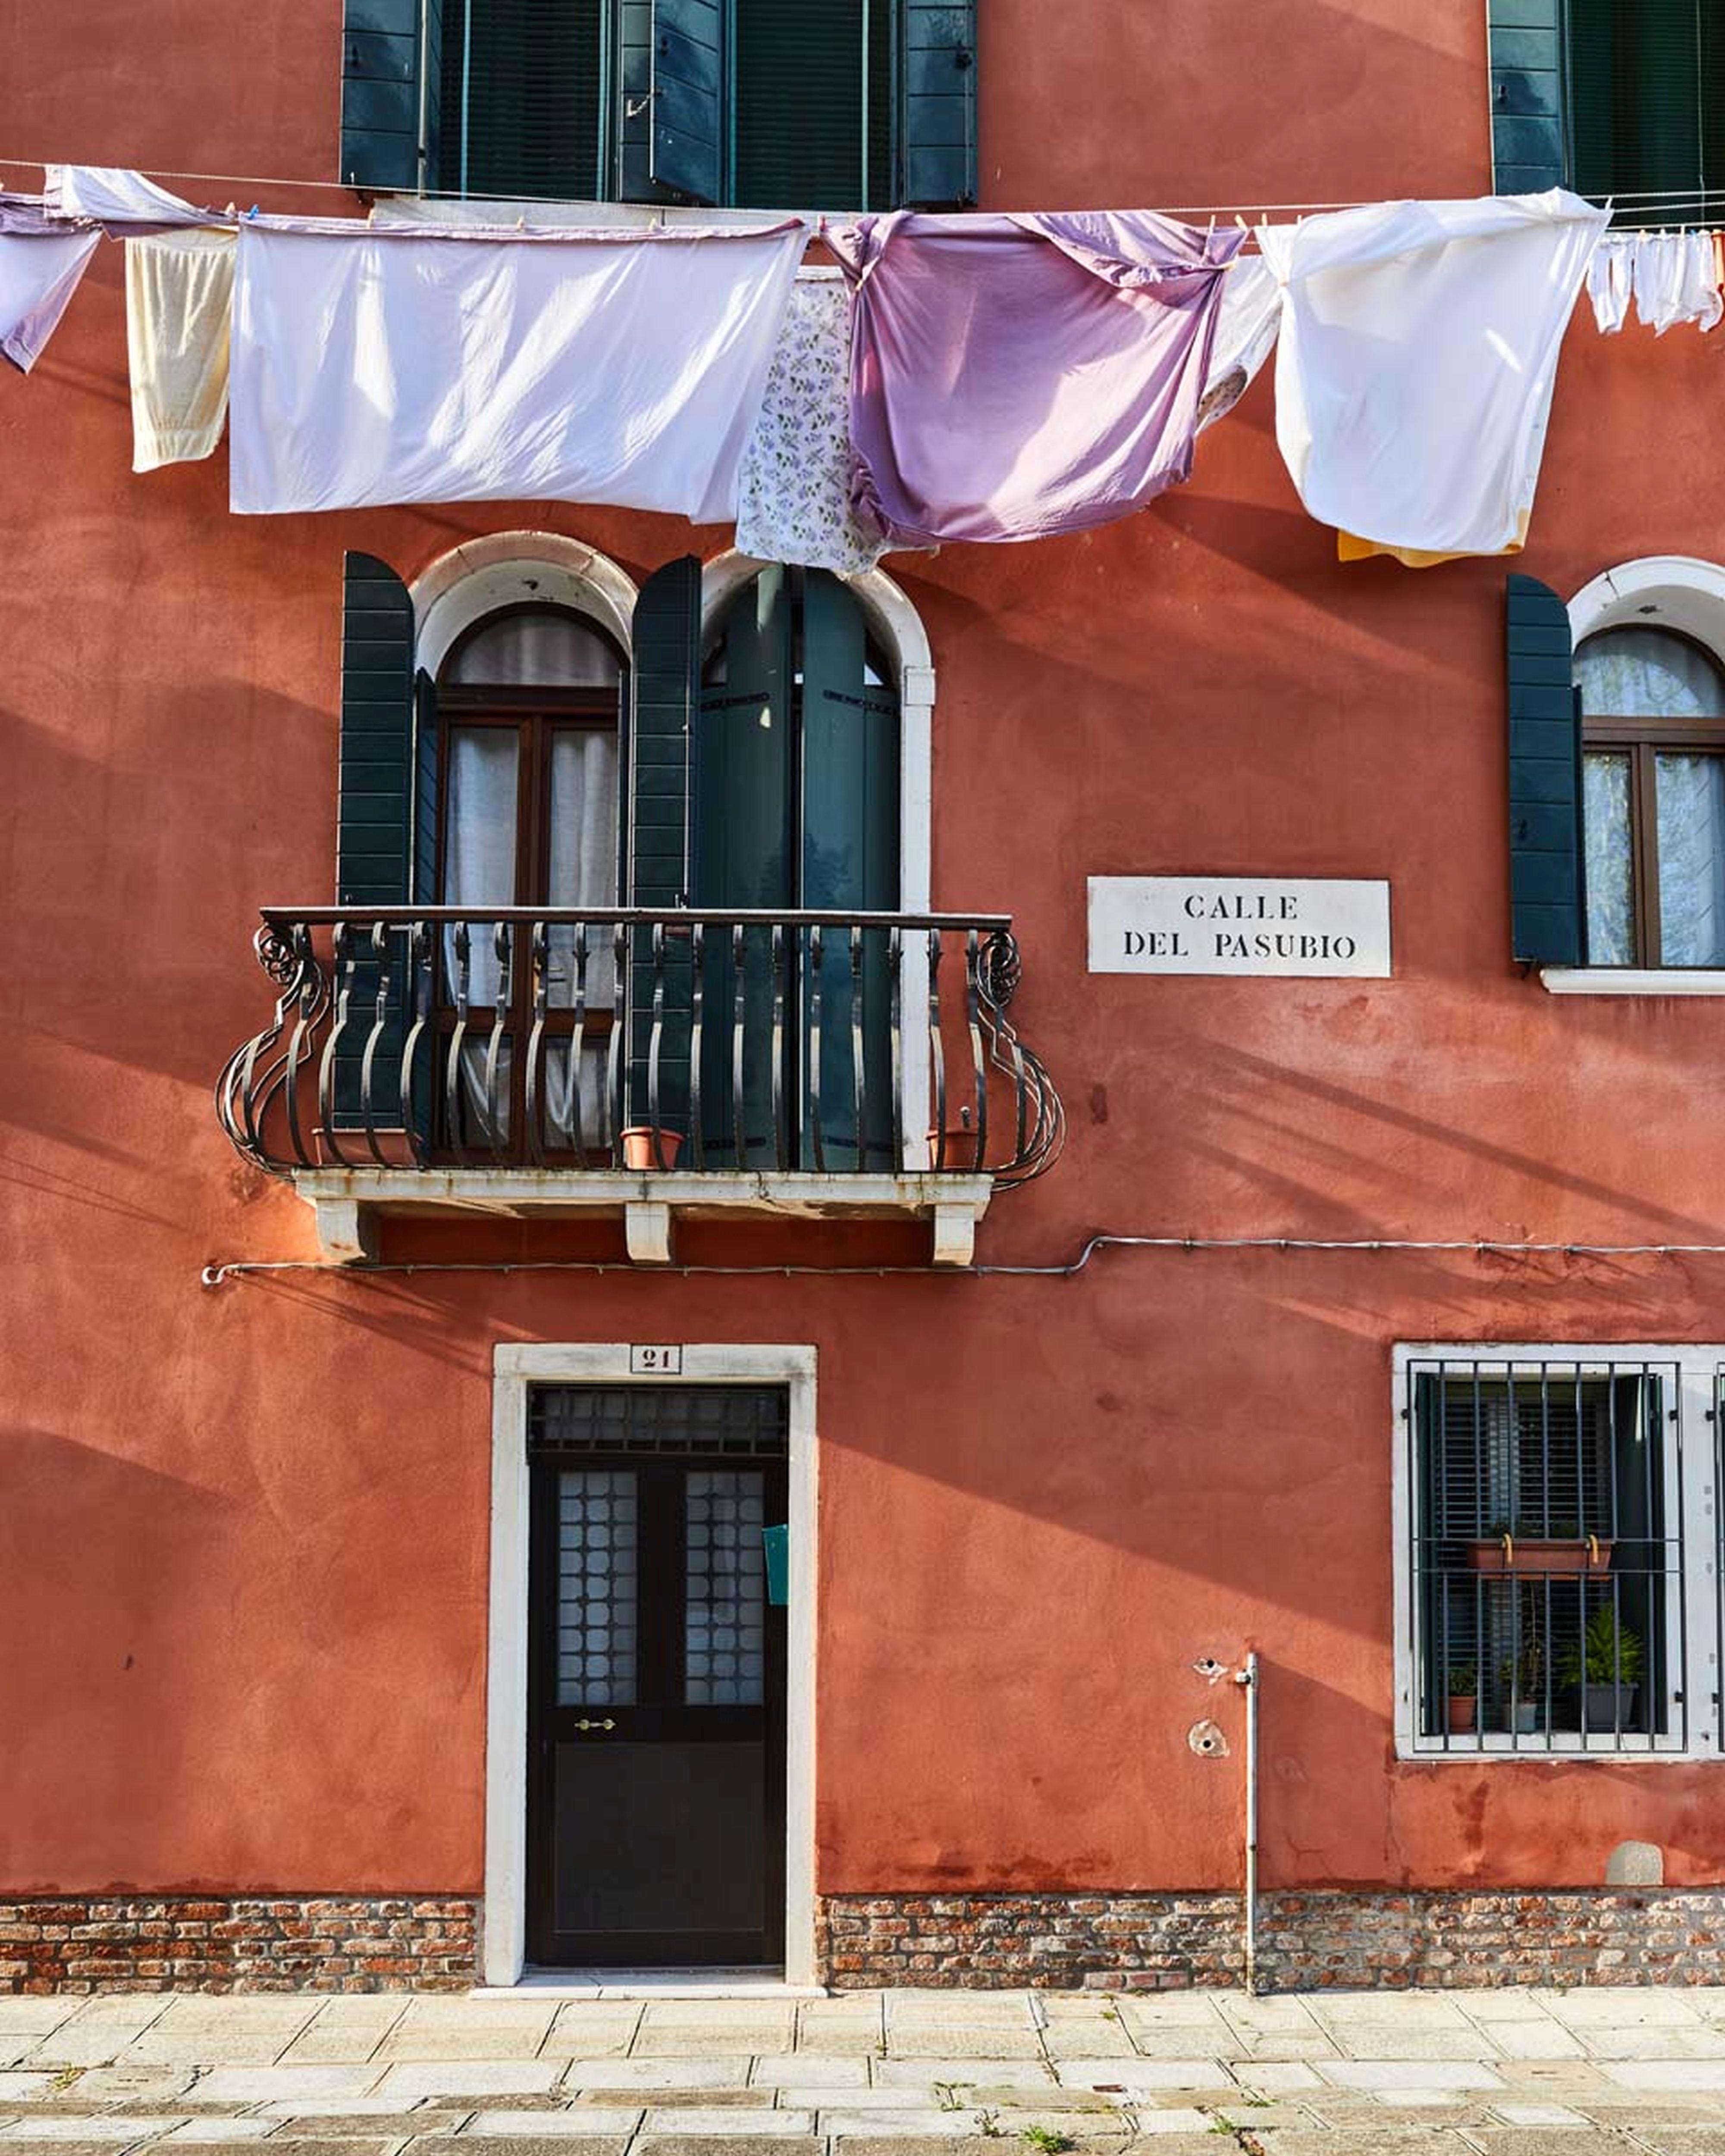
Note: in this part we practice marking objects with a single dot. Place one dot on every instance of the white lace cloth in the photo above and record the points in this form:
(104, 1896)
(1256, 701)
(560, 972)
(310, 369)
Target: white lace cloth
(794, 493)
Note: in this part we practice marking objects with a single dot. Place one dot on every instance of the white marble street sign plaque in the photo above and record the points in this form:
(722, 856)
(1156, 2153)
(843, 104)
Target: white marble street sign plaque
(1278, 925)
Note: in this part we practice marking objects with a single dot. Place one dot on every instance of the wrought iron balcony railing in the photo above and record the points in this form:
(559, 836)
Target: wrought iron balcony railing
(443, 1037)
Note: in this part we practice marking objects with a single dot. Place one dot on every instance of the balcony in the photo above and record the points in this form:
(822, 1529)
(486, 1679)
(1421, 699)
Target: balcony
(651, 1065)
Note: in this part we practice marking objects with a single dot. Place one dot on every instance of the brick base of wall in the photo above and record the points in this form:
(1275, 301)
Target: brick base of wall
(185, 1942)
(1173, 1942)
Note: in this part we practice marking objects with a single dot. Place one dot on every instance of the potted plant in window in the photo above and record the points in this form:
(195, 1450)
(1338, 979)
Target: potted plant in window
(1520, 1680)
(1556, 1547)
(645, 1145)
(1464, 1690)
(1603, 1670)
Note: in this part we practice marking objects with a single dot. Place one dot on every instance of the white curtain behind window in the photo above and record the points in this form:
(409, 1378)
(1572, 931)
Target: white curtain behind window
(480, 844)
(1691, 860)
(583, 872)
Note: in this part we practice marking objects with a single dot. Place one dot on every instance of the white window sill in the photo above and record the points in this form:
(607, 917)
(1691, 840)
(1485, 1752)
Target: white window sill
(1633, 980)
(1565, 1745)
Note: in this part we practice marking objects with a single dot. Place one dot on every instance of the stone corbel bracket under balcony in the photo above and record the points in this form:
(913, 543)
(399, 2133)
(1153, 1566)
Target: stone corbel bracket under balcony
(351, 1203)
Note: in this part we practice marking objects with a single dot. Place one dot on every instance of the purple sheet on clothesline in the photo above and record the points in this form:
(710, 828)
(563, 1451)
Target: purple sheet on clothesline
(1016, 376)
(41, 262)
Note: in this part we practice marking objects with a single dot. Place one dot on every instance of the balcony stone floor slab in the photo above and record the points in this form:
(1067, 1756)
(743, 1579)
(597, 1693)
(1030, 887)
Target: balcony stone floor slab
(1520, 2072)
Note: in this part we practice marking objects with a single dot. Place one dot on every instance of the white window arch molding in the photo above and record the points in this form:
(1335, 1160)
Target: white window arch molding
(517, 568)
(897, 627)
(1663, 590)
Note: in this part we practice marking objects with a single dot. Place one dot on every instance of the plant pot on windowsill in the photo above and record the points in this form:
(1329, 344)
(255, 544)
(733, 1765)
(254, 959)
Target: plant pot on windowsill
(1522, 1718)
(1464, 1706)
(1608, 1706)
(1557, 1556)
(645, 1147)
(953, 1150)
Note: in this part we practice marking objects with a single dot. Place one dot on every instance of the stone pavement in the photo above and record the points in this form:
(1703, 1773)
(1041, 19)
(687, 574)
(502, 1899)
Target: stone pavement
(706, 2073)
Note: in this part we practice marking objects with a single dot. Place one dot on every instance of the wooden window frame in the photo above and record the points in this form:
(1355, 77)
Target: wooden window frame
(536, 715)
(1643, 740)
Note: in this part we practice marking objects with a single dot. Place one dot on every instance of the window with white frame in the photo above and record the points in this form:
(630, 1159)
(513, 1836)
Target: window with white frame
(1558, 1558)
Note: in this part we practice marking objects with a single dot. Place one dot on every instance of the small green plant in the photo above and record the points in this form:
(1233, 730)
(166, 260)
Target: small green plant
(987, 2124)
(64, 2078)
(1045, 2138)
(1463, 1680)
(947, 2095)
(1523, 1673)
(1609, 1653)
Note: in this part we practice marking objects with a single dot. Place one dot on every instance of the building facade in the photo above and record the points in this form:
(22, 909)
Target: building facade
(386, 1473)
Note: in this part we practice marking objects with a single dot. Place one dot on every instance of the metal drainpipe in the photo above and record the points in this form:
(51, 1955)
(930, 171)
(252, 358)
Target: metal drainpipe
(1247, 1676)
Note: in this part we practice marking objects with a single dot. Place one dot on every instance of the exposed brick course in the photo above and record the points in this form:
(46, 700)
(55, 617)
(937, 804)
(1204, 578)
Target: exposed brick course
(172, 1943)
(1173, 1942)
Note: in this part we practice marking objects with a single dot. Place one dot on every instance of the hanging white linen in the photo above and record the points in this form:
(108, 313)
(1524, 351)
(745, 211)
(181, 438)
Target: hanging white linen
(1676, 280)
(1611, 281)
(108, 194)
(179, 299)
(374, 366)
(793, 496)
(40, 271)
(1418, 354)
(1246, 324)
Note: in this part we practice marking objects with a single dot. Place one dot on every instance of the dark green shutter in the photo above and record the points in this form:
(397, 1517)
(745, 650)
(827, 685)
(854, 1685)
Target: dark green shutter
(1527, 43)
(686, 69)
(1547, 894)
(378, 824)
(814, 119)
(664, 682)
(380, 65)
(524, 98)
(937, 53)
(1647, 103)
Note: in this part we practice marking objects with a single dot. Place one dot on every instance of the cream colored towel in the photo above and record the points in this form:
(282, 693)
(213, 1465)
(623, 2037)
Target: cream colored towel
(179, 299)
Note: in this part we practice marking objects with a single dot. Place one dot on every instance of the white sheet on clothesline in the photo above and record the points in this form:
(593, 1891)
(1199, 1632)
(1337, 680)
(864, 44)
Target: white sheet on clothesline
(1418, 354)
(373, 367)
(108, 194)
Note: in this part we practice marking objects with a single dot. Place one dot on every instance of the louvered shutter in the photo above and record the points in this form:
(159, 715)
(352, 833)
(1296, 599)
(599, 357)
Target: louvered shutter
(1647, 102)
(382, 144)
(522, 98)
(813, 124)
(937, 52)
(686, 69)
(665, 684)
(387, 808)
(1547, 914)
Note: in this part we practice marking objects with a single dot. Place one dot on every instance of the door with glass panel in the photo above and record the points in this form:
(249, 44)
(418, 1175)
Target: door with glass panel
(527, 707)
(1653, 741)
(656, 1720)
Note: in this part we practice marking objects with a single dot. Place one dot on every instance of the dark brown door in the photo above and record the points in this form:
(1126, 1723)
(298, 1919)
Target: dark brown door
(655, 1724)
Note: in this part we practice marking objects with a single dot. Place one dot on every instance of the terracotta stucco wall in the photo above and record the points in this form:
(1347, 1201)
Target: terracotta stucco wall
(243, 1532)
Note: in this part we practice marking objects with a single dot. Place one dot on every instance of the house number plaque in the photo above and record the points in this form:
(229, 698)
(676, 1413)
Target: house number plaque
(655, 1362)
(1280, 926)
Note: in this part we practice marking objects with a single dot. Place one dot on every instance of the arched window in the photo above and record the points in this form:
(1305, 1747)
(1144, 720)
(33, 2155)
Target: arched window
(1653, 735)
(529, 702)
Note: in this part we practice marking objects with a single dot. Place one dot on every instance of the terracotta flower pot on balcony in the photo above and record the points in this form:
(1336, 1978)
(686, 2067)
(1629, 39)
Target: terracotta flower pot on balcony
(953, 1149)
(1463, 1707)
(1561, 1556)
(638, 1150)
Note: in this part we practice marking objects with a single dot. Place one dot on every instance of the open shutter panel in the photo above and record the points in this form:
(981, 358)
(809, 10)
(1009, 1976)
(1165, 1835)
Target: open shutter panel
(664, 683)
(1526, 38)
(1547, 894)
(938, 104)
(382, 62)
(376, 814)
(686, 69)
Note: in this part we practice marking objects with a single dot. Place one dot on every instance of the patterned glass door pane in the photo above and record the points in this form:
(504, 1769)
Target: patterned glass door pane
(596, 1590)
(726, 1589)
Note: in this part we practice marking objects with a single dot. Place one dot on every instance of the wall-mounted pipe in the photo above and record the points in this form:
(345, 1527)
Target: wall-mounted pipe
(1246, 1677)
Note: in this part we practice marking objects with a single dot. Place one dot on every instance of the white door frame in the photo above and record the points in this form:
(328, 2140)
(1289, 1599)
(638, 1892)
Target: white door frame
(504, 1948)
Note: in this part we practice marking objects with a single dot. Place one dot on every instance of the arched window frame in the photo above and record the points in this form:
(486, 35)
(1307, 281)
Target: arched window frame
(1685, 597)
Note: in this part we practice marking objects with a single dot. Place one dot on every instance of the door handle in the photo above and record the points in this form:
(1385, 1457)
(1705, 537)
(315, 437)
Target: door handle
(608, 1723)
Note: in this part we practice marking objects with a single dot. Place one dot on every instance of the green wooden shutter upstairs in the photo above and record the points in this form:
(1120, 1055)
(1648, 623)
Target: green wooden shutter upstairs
(1547, 891)
(382, 147)
(687, 69)
(937, 53)
(1527, 74)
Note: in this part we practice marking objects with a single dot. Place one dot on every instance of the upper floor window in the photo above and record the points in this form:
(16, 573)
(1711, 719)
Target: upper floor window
(815, 105)
(1653, 759)
(1647, 105)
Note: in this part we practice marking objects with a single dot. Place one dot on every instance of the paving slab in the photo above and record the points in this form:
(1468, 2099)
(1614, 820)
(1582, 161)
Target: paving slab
(1367, 2141)
(725, 2072)
(1507, 2003)
(1684, 2140)
(239, 2085)
(1543, 2038)
(1133, 2075)
(1273, 2077)
(743, 2099)
(714, 2144)
(1583, 2140)
(391, 2119)
(1540, 2114)
(1404, 2074)
(1619, 2007)
(1655, 2041)
(222, 2126)
(20, 2087)
(582, 2119)
(29, 2145)
(942, 2042)
(986, 2098)
(538, 2145)
(763, 2125)
(35, 2016)
(908, 2074)
(808, 2070)
(1697, 2075)
(464, 2077)
(890, 2127)
(90, 2126)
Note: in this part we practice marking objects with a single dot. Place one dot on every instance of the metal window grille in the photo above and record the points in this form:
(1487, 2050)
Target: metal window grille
(1546, 1569)
(730, 1421)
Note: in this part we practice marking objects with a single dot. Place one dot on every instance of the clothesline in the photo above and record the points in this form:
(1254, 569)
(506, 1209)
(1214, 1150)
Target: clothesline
(1250, 207)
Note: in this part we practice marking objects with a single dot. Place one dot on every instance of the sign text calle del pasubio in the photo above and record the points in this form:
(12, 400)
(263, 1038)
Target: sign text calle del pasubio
(1287, 926)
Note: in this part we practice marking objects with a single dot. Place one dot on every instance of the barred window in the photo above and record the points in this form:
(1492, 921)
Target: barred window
(1558, 1523)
